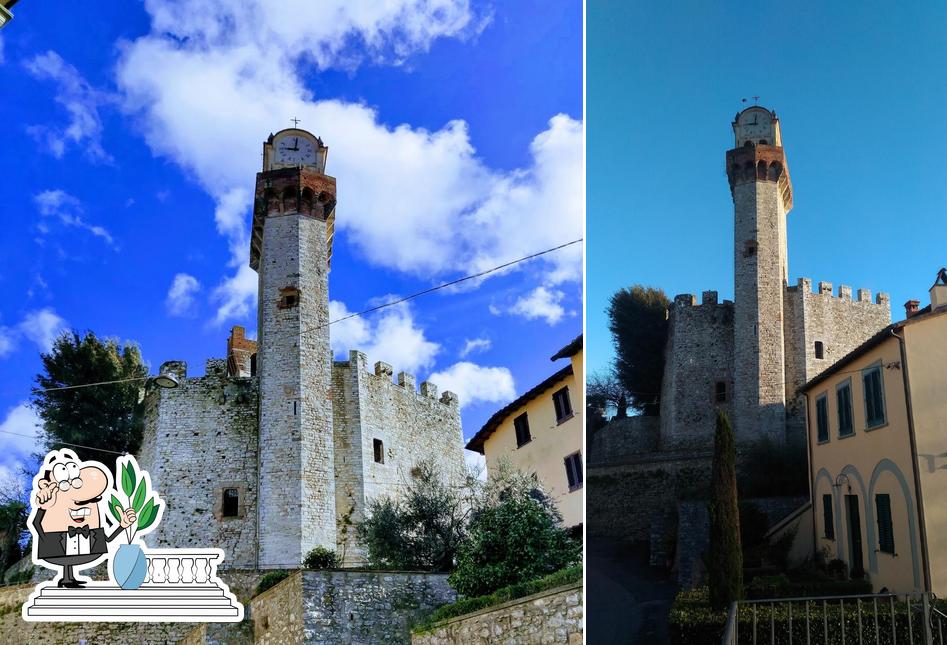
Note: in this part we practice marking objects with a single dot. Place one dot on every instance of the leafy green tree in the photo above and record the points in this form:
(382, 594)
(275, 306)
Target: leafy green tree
(421, 529)
(514, 536)
(107, 417)
(724, 558)
(637, 319)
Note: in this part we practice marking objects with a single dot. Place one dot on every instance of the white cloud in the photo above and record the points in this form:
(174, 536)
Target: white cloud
(81, 101)
(475, 345)
(68, 210)
(249, 63)
(180, 299)
(474, 383)
(540, 303)
(391, 336)
(20, 437)
(43, 327)
(8, 338)
(476, 464)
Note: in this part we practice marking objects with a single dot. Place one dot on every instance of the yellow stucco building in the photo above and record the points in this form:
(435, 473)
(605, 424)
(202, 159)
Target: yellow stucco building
(877, 432)
(541, 432)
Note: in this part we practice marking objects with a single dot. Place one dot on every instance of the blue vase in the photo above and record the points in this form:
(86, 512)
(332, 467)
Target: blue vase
(129, 566)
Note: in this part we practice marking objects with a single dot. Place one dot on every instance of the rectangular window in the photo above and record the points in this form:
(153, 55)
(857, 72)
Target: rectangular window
(819, 349)
(574, 470)
(720, 392)
(843, 396)
(379, 448)
(521, 425)
(563, 405)
(822, 417)
(231, 505)
(828, 522)
(874, 396)
(885, 530)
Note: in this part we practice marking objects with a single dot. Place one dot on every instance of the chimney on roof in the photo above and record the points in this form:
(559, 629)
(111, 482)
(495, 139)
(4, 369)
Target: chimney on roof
(910, 307)
(939, 290)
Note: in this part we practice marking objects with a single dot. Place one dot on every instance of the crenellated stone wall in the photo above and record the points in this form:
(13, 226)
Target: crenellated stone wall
(412, 426)
(551, 616)
(199, 439)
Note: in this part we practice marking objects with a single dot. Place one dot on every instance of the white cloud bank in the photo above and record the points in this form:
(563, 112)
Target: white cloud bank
(474, 383)
(392, 337)
(417, 201)
(180, 298)
(476, 345)
(19, 436)
(43, 327)
(540, 303)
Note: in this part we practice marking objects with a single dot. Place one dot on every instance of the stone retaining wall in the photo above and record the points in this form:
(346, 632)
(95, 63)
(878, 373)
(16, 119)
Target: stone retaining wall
(551, 616)
(624, 438)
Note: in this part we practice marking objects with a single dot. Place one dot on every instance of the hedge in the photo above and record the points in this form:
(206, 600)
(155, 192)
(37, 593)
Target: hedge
(500, 596)
(692, 622)
(781, 586)
(269, 580)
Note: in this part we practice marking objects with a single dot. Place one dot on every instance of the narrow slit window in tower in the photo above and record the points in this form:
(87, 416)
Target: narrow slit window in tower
(720, 392)
(231, 502)
(819, 350)
(379, 448)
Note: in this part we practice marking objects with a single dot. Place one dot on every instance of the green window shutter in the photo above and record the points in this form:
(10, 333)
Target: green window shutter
(827, 520)
(885, 530)
(822, 418)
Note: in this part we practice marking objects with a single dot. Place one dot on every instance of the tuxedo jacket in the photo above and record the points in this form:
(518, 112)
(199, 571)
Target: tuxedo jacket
(53, 544)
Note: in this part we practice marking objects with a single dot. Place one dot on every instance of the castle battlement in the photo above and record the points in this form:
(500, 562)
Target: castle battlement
(844, 293)
(384, 373)
(707, 299)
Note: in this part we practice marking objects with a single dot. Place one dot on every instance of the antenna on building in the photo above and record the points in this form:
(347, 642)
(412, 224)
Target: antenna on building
(756, 100)
(295, 121)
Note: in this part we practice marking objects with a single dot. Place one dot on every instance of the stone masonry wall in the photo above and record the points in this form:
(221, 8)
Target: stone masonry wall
(199, 439)
(412, 426)
(624, 439)
(839, 321)
(355, 607)
(699, 353)
(552, 616)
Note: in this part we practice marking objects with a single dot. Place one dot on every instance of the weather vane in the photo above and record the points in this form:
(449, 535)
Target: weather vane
(295, 121)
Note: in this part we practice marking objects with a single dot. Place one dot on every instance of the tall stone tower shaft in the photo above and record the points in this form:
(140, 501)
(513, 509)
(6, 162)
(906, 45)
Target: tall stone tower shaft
(762, 197)
(290, 250)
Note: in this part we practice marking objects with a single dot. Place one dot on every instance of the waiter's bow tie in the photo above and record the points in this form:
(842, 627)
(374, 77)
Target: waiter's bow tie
(82, 530)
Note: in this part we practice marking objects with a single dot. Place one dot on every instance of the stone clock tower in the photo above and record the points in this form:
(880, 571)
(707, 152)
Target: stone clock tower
(762, 197)
(290, 249)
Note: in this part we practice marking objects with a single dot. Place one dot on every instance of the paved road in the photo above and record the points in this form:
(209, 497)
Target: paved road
(627, 601)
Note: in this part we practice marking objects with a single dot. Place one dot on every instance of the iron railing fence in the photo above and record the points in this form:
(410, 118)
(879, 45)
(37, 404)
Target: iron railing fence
(877, 619)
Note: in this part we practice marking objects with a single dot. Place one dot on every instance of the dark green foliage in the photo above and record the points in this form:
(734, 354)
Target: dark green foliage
(514, 536)
(500, 596)
(270, 580)
(693, 622)
(106, 416)
(21, 577)
(321, 558)
(798, 585)
(753, 526)
(419, 531)
(637, 319)
(769, 468)
(13, 515)
(725, 559)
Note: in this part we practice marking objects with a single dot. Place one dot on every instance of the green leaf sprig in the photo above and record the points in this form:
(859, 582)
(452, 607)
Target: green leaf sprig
(136, 492)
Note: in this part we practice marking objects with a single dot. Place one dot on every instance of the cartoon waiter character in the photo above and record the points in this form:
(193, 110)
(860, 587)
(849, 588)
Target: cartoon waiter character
(66, 522)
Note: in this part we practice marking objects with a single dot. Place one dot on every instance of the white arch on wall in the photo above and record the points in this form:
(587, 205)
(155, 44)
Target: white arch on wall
(836, 517)
(886, 465)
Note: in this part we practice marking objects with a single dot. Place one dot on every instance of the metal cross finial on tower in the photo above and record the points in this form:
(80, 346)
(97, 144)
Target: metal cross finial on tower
(756, 100)
(295, 121)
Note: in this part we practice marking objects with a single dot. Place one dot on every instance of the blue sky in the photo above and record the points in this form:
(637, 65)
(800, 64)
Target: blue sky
(133, 134)
(860, 95)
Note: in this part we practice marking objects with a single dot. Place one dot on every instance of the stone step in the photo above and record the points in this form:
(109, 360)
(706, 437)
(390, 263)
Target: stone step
(145, 591)
(139, 601)
(108, 613)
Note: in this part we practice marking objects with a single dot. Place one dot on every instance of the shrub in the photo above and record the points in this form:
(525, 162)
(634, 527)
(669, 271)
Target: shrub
(771, 468)
(419, 531)
(270, 579)
(321, 558)
(500, 596)
(837, 569)
(514, 536)
(725, 564)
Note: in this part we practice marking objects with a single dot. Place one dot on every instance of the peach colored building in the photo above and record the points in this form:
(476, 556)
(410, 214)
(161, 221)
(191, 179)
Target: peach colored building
(877, 433)
(541, 432)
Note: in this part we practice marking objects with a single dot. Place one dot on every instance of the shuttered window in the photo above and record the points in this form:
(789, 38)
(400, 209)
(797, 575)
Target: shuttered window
(563, 405)
(827, 520)
(874, 397)
(574, 470)
(843, 397)
(885, 530)
(822, 417)
(521, 425)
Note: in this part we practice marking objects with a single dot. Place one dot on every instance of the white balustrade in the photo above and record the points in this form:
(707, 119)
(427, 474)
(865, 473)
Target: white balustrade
(182, 566)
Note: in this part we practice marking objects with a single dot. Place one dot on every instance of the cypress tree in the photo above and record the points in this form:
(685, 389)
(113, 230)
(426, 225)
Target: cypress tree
(725, 560)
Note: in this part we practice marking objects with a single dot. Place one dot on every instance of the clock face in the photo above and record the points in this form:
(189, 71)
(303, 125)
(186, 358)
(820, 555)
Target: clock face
(756, 125)
(295, 150)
